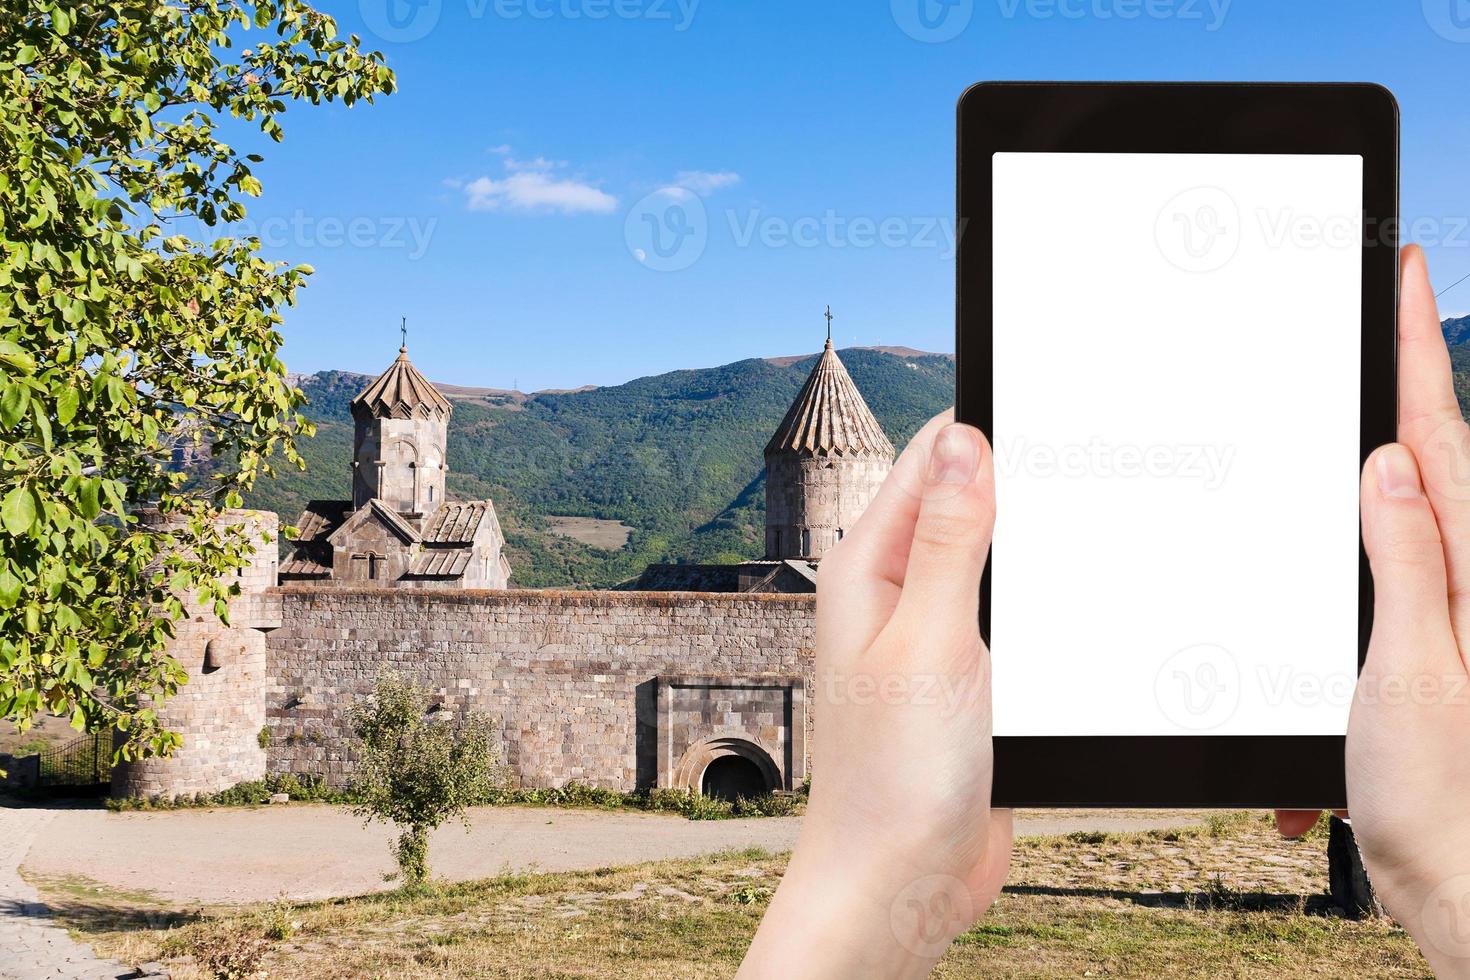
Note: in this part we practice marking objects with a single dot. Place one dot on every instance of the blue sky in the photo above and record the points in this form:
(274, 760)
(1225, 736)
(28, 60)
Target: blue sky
(501, 199)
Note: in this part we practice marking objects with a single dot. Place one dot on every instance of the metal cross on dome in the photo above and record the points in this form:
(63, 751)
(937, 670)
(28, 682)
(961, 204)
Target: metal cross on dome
(828, 315)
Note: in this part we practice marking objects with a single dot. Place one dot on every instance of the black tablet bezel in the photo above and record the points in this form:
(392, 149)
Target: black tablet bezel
(1292, 772)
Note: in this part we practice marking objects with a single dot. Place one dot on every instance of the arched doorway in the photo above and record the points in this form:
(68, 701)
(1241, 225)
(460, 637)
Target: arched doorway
(727, 764)
(731, 777)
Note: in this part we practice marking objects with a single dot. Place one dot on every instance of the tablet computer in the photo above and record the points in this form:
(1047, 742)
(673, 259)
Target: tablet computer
(1176, 324)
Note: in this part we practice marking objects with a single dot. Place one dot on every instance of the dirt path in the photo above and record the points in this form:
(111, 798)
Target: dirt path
(33, 946)
(233, 856)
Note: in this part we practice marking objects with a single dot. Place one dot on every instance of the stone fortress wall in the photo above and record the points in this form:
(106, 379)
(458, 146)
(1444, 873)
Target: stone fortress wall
(220, 710)
(621, 690)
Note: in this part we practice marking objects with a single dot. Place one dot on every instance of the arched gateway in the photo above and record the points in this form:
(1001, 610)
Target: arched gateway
(727, 767)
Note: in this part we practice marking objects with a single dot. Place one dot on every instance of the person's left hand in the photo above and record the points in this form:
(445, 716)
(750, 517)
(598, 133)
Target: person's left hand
(899, 850)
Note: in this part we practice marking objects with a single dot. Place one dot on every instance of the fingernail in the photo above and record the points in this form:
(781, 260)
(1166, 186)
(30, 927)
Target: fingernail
(1398, 473)
(955, 457)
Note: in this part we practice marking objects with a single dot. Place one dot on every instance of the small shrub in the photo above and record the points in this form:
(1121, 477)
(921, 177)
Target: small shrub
(417, 773)
(263, 738)
(230, 952)
(1223, 824)
(1218, 895)
(254, 793)
(750, 894)
(770, 805)
(277, 922)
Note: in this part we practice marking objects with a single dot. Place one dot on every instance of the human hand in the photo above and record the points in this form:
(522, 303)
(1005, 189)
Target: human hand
(1408, 743)
(899, 850)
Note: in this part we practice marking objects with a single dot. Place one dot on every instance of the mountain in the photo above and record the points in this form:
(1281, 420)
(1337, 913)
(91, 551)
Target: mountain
(1457, 336)
(1456, 331)
(675, 457)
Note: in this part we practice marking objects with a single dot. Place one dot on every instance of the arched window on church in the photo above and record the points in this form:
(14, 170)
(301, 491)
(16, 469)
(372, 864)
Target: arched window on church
(806, 543)
(370, 563)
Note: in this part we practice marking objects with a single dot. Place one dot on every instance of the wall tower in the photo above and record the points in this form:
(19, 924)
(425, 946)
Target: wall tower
(824, 465)
(402, 426)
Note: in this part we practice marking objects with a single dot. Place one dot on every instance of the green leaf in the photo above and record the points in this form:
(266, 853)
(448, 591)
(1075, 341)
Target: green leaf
(12, 354)
(87, 500)
(18, 512)
(26, 55)
(43, 424)
(14, 401)
(9, 588)
(66, 405)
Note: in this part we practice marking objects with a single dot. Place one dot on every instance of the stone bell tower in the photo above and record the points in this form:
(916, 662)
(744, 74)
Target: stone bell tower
(825, 463)
(402, 426)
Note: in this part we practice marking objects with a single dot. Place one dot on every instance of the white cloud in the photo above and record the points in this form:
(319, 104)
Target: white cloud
(705, 181)
(540, 164)
(537, 191)
(529, 186)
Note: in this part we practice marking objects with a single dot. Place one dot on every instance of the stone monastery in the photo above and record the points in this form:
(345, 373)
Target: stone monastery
(697, 680)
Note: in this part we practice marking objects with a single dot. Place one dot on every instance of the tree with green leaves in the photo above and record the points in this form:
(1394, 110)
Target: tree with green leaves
(123, 340)
(417, 771)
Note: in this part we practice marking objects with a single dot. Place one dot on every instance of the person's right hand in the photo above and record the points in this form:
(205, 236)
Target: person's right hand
(1408, 743)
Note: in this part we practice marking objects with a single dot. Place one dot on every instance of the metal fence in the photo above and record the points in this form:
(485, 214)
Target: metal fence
(84, 762)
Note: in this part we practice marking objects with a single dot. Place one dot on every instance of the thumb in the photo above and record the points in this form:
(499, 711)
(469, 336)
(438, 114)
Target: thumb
(941, 584)
(1410, 605)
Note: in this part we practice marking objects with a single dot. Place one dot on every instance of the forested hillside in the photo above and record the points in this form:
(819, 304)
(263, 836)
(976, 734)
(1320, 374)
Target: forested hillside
(1457, 335)
(677, 457)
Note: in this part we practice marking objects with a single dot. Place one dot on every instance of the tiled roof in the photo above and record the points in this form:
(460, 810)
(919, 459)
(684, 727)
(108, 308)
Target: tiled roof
(321, 518)
(441, 563)
(306, 562)
(455, 522)
(829, 417)
(401, 392)
(689, 578)
(312, 556)
(791, 575)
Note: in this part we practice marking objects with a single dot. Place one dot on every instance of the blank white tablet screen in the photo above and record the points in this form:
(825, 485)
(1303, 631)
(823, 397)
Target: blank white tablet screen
(1176, 393)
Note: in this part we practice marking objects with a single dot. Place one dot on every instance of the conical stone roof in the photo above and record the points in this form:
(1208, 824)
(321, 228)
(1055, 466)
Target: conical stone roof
(401, 392)
(829, 417)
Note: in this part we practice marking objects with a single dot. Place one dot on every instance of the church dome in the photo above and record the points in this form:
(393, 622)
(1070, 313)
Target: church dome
(829, 417)
(401, 392)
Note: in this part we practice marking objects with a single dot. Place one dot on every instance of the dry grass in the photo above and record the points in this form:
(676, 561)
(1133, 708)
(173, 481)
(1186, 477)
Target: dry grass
(48, 731)
(1230, 899)
(608, 535)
